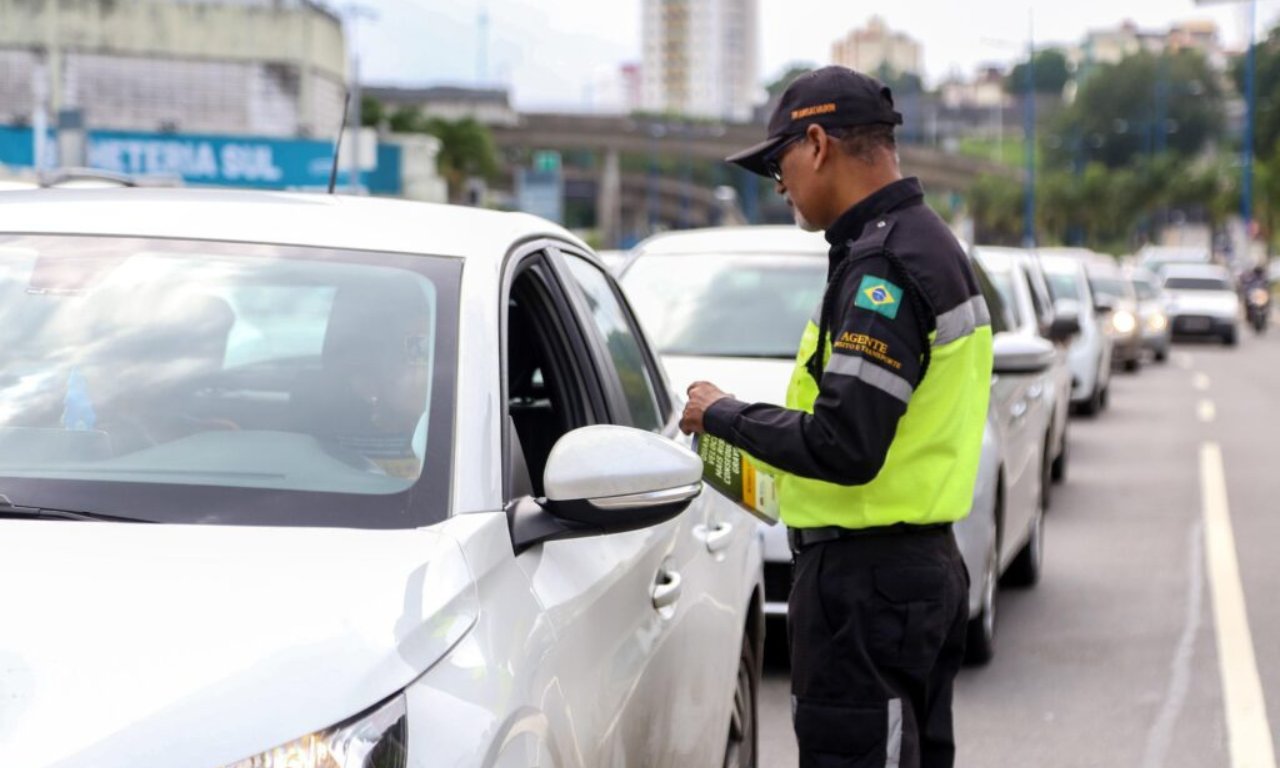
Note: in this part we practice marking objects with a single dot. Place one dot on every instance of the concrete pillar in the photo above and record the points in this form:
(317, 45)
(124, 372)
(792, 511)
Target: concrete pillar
(609, 200)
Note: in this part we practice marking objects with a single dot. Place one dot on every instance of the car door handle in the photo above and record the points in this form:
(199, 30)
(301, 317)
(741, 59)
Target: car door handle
(1035, 392)
(720, 537)
(667, 589)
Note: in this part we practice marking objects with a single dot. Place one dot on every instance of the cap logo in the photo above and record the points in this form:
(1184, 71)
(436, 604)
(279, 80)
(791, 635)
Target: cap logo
(818, 109)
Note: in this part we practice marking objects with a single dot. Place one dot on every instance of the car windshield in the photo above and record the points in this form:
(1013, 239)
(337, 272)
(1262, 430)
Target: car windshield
(208, 382)
(1196, 284)
(1145, 290)
(1112, 287)
(719, 305)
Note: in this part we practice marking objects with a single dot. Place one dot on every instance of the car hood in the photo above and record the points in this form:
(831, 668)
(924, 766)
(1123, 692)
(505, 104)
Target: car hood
(1210, 302)
(132, 644)
(749, 379)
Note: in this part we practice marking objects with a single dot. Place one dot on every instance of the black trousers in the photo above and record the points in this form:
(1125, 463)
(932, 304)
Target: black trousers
(877, 628)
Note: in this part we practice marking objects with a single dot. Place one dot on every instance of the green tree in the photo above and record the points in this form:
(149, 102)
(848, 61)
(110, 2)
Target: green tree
(1139, 107)
(1050, 75)
(995, 203)
(1266, 136)
(466, 146)
(371, 111)
(791, 72)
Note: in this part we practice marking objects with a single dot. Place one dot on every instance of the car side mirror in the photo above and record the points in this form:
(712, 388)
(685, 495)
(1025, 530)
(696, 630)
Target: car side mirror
(1065, 324)
(1016, 353)
(1103, 304)
(607, 479)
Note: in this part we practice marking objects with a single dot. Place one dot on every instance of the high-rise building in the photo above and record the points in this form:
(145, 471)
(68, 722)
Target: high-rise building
(701, 57)
(875, 48)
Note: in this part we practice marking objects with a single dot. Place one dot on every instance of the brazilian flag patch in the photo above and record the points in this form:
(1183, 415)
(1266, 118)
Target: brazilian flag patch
(879, 295)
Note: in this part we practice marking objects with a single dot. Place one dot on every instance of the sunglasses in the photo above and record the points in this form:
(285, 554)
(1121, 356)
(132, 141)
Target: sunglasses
(771, 161)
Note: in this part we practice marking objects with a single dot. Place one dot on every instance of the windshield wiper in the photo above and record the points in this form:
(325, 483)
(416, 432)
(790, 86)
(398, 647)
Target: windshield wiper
(10, 510)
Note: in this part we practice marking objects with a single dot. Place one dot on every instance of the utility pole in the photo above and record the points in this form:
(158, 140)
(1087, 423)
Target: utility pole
(353, 13)
(1029, 129)
(1250, 99)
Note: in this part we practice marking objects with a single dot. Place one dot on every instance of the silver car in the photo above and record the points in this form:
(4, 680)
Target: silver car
(1089, 353)
(729, 305)
(1152, 312)
(1016, 275)
(413, 490)
(1117, 304)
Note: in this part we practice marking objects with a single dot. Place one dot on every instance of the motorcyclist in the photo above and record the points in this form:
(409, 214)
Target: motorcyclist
(1257, 297)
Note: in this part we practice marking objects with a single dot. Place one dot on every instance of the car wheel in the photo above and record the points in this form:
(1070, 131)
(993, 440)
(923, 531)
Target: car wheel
(1093, 405)
(1046, 471)
(1162, 354)
(740, 748)
(1132, 365)
(1229, 338)
(1104, 397)
(980, 642)
(1025, 569)
(1058, 471)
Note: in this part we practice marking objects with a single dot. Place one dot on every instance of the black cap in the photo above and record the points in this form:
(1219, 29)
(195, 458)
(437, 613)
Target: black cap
(832, 97)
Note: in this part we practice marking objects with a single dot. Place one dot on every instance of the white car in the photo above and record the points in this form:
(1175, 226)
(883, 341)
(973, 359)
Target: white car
(1152, 312)
(729, 305)
(1089, 353)
(1202, 301)
(320, 481)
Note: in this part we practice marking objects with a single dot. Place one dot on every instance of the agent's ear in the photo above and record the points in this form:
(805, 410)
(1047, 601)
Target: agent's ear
(821, 145)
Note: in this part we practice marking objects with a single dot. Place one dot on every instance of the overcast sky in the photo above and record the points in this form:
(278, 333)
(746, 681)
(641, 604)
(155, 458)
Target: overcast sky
(556, 53)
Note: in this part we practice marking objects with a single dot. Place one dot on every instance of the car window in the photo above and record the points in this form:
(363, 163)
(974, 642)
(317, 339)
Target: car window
(725, 305)
(1040, 299)
(134, 366)
(640, 384)
(1145, 290)
(1004, 284)
(1113, 287)
(1065, 285)
(1001, 320)
(1196, 284)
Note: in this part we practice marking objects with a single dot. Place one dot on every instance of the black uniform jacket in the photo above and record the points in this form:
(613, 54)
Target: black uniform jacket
(894, 267)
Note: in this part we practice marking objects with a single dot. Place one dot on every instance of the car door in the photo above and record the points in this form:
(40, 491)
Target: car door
(610, 599)
(691, 677)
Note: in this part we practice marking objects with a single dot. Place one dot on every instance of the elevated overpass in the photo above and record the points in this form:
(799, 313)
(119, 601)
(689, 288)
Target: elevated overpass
(670, 142)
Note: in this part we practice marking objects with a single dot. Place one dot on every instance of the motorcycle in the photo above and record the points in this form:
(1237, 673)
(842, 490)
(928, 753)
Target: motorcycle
(1258, 308)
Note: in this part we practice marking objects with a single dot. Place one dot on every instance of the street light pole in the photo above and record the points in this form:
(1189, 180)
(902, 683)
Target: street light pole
(1029, 129)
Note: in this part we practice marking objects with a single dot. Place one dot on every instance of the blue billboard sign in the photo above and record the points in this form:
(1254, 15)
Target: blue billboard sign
(226, 161)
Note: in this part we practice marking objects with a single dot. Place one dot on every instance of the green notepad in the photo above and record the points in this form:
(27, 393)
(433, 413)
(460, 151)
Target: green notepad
(731, 472)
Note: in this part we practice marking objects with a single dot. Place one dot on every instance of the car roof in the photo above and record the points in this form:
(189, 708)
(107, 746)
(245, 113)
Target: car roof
(1197, 270)
(765, 239)
(282, 218)
(1060, 264)
(999, 258)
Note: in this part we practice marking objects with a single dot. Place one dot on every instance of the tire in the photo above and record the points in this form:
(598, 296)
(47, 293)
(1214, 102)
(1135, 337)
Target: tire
(980, 634)
(1162, 354)
(1230, 338)
(1132, 365)
(1046, 472)
(1093, 405)
(742, 742)
(1104, 398)
(1058, 471)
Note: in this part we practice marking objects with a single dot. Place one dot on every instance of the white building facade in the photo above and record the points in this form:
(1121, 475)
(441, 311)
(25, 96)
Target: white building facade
(701, 57)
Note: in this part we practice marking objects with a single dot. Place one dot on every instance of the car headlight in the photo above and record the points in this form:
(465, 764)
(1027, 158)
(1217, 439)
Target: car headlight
(1157, 322)
(1123, 321)
(375, 738)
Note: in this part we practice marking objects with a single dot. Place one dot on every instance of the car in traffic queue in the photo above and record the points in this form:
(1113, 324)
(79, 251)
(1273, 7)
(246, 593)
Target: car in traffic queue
(1015, 275)
(308, 480)
(1152, 316)
(1116, 301)
(729, 304)
(1089, 352)
(1202, 301)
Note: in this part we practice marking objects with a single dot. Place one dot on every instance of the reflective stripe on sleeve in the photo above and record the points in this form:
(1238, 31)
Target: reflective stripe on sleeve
(960, 322)
(870, 373)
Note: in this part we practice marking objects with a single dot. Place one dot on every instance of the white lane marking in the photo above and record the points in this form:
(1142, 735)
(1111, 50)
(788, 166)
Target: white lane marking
(1248, 732)
(1161, 733)
(1200, 381)
(1206, 410)
(1183, 359)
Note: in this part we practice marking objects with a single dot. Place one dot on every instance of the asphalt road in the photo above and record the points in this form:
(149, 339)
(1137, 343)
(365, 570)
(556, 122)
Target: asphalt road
(1113, 659)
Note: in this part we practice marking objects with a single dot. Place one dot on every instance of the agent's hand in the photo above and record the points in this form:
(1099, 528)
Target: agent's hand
(701, 395)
